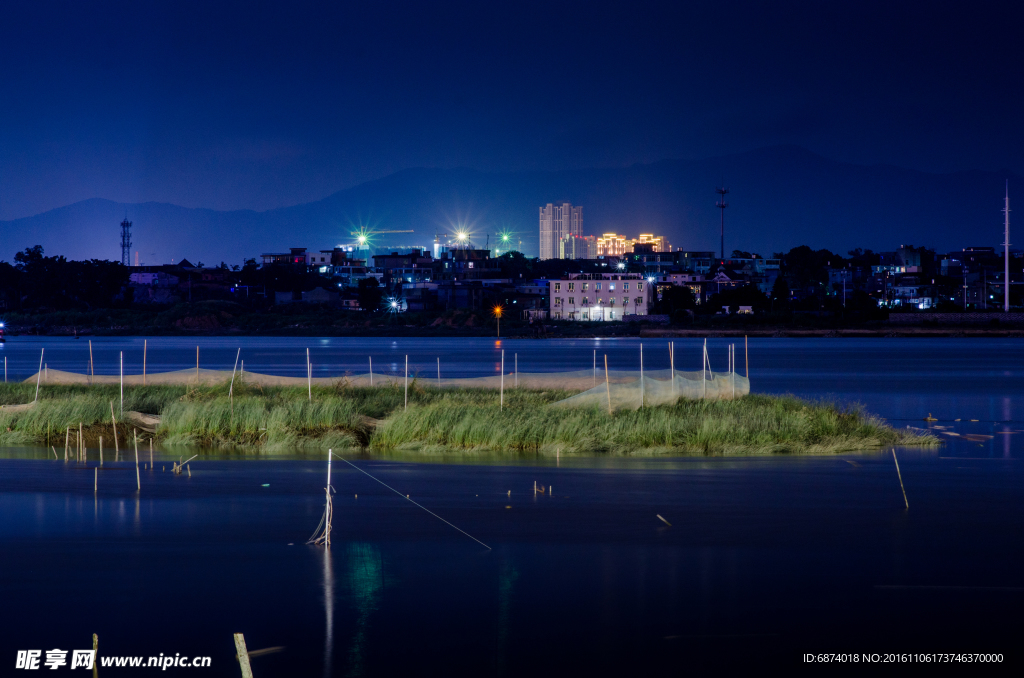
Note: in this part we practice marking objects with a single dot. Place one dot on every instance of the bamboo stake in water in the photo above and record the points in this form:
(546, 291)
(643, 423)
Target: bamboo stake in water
(407, 382)
(607, 383)
(112, 419)
(95, 479)
(145, 346)
(900, 476)
(150, 452)
(501, 401)
(67, 441)
(101, 450)
(39, 373)
(138, 481)
(81, 442)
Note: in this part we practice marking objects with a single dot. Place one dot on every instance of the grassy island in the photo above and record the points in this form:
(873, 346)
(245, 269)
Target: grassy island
(439, 421)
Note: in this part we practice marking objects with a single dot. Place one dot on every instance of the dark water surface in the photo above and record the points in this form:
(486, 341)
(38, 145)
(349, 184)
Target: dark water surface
(766, 558)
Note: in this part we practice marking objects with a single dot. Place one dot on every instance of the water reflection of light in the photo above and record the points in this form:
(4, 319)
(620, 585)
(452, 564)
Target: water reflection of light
(328, 612)
(366, 579)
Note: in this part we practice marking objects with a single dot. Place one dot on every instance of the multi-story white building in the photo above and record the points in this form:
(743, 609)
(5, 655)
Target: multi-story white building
(600, 296)
(556, 222)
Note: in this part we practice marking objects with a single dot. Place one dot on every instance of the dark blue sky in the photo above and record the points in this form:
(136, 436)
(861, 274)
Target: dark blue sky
(258, 104)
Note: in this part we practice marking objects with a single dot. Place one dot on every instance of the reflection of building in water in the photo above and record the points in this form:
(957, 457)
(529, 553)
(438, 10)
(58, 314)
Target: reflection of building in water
(366, 579)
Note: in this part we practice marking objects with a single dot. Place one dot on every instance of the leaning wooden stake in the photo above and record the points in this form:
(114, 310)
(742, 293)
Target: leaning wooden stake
(39, 373)
(900, 476)
(231, 389)
(607, 383)
(322, 537)
(243, 655)
(138, 481)
(114, 420)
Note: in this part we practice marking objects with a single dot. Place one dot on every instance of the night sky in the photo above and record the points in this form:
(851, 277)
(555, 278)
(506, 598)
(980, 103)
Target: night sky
(258, 105)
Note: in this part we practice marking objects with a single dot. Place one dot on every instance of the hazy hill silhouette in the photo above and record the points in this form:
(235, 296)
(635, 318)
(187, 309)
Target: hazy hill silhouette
(780, 197)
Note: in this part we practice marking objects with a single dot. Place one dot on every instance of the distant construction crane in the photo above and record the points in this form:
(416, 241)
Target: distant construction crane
(126, 242)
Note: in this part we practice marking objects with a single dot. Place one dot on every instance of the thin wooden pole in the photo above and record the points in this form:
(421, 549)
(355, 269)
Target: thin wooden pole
(371, 369)
(501, 402)
(138, 481)
(101, 450)
(243, 655)
(81, 442)
(5, 368)
(39, 373)
(145, 347)
(114, 421)
(231, 389)
(151, 452)
(516, 359)
(607, 383)
(672, 364)
(746, 357)
(439, 371)
(703, 371)
(95, 479)
(67, 442)
(641, 376)
(92, 366)
(595, 367)
(309, 376)
(122, 384)
(407, 382)
(900, 476)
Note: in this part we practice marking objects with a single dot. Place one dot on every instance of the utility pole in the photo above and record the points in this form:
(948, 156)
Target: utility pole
(126, 242)
(722, 204)
(1006, 250)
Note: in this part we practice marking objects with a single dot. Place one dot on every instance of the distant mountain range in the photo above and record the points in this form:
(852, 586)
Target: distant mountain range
(780, 197)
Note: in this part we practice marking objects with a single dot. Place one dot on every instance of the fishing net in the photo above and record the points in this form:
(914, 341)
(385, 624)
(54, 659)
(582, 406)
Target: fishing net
(614, 389)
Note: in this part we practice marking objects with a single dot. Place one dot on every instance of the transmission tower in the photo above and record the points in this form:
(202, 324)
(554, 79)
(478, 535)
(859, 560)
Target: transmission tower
(722, 204)
(126, 242)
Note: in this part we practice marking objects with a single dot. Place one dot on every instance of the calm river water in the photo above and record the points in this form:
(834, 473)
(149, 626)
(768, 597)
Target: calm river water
(766, 558)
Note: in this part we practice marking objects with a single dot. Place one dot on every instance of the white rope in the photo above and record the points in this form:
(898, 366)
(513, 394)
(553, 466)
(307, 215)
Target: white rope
(413, 502)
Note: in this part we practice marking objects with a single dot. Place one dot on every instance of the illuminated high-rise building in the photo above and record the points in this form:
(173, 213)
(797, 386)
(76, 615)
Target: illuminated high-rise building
(556, 222)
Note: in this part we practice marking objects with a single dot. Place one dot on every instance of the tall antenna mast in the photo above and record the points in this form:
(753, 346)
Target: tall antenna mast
(1006, 250)
(126, 242)
(722, 204)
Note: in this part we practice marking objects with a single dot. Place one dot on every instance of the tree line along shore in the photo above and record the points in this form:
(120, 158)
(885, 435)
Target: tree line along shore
(379, 420)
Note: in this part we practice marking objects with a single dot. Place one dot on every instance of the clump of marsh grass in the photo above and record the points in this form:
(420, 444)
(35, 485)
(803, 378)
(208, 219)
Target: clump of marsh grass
(449, 421)
(751, 425)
